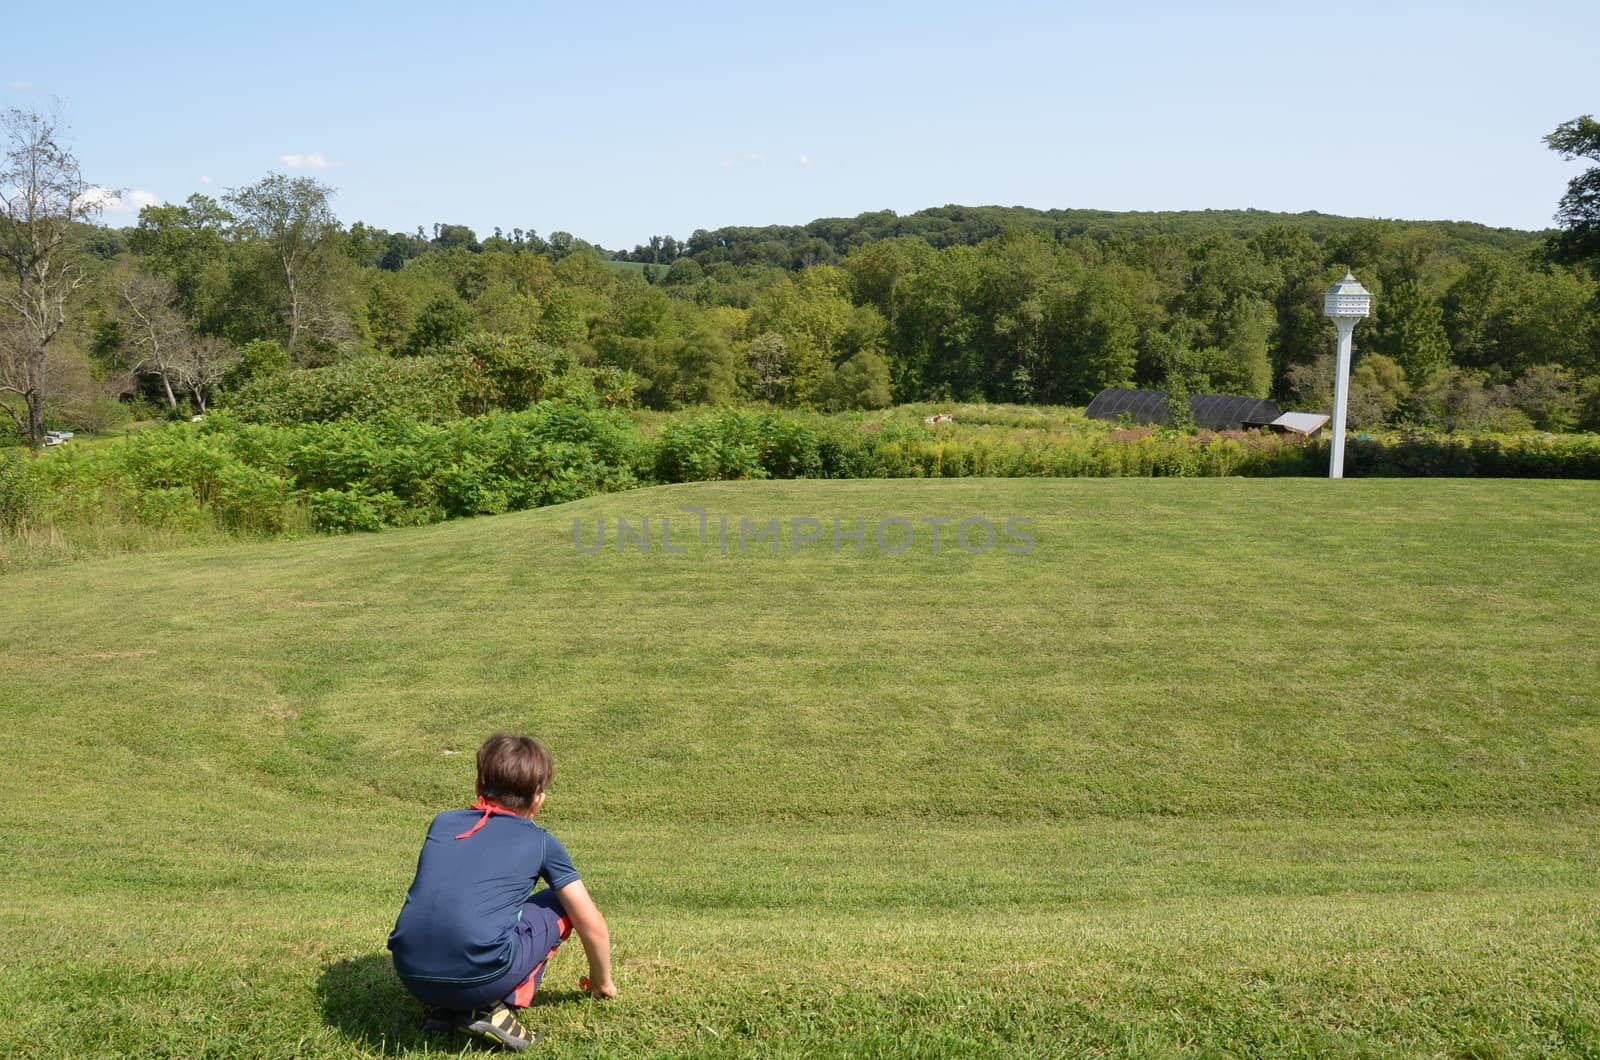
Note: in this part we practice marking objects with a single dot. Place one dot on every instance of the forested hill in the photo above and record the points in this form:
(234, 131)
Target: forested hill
(1474, 327)
(828, 239)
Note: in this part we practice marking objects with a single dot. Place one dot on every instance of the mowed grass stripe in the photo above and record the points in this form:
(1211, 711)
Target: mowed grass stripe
(1355, 711)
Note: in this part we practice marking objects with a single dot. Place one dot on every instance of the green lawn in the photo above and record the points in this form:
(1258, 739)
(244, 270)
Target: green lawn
(1260, 767)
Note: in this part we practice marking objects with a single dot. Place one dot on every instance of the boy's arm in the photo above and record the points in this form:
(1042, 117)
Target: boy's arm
(594, 934)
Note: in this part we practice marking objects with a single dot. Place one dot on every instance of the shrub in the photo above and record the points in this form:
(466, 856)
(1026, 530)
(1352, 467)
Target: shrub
(395, 469)
(1549, 395)
(720, 445)
(505, 371)
(19, 489)
(260, 359)
(430, 388)
(612, 386)
(239, 495)
(1588, 404)
(480, 373)
(343, 511)
(1457, 400)
(1485, 456)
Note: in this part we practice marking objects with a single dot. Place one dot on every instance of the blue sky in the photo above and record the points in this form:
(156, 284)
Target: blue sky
(621, 120)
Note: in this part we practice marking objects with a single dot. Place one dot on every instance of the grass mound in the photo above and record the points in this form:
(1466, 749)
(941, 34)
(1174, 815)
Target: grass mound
(1271, 767)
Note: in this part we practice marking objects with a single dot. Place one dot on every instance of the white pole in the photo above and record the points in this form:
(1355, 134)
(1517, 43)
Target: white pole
(1341, 395)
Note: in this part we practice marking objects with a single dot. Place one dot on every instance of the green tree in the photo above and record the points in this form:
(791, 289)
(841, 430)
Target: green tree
(441, 323)
(768, 358)
(188, 244)
(1245, 368)
(861, 382)
(1474, 307)
(1172, 351)
(391, 313)
(1550, 317)
(1377, 389)
(705, 369)
(685, 272)
(456, 237)
(293, 218)
(1300, 333)
(1091, 335)
(1409, 330)
(1579, 212)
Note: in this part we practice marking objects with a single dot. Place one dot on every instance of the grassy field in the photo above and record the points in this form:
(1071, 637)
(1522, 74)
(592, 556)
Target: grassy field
(1220, 767)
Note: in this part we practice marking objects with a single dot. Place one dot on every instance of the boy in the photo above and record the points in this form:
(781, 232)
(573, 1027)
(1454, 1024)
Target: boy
(473, 939)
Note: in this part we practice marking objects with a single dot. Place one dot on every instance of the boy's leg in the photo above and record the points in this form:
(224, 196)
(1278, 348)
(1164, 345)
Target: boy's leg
(544, 926)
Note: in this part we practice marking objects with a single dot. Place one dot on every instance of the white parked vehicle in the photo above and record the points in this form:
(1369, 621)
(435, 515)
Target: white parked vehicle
(57, 437)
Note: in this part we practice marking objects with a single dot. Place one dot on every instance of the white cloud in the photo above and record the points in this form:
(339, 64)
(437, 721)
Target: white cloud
(313, 160)
(805, 160)
(744, 160)
(22, 86)
(205, 179)
(97, 198)
(113, 201)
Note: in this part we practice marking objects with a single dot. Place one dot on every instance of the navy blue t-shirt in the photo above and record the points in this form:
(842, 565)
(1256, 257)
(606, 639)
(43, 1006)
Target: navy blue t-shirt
(457, 923)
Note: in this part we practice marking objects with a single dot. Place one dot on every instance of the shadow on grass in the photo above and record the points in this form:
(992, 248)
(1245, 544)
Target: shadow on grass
(362, 998)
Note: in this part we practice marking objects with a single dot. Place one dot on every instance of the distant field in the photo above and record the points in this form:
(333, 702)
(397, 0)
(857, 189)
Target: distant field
(1266, 767)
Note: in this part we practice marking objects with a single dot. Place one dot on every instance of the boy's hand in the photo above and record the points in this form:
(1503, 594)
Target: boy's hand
(603, 991)
(596, 938)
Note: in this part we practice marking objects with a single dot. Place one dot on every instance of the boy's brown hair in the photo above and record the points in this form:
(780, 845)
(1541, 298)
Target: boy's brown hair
(513, 770)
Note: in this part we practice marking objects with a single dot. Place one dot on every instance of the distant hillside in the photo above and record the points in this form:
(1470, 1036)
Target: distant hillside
(829, 238)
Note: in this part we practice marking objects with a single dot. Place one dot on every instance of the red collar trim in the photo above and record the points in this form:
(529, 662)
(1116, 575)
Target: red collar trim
(488, 809)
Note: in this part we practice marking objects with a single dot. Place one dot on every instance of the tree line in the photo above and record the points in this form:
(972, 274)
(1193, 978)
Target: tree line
(1475, 328)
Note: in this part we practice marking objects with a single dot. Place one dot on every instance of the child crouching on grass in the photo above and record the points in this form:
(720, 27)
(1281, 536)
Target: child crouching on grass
(473, 939)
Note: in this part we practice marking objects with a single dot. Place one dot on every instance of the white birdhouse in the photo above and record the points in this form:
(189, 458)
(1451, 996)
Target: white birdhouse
(1347, 299)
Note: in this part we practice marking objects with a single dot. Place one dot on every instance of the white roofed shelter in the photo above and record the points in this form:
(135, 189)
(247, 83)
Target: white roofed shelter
(1304, 424)
(1346, 302)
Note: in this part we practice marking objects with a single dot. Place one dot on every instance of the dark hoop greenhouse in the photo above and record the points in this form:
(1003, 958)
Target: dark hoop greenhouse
(1217, 412)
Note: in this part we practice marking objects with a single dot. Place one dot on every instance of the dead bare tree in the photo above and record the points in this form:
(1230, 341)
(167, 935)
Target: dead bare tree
(156, 328)
(200, 365)
(42, 194)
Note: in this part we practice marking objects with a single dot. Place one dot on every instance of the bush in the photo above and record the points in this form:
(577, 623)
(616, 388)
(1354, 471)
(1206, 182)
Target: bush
(1549, 395)
(480, 373)
(260, 359)
(1588, 404)
(395, 469)
(342, 511)
(507, 372)
(722, 445)
(613, 387)
(19, 489)
(1457, 400)
(429, 388)
(239, 494)
(1486, 456)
